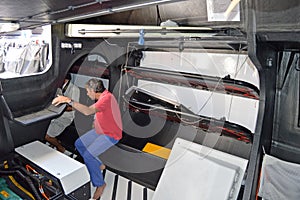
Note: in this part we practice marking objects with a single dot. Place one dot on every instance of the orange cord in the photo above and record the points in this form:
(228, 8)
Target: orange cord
(42, 192)
(28, 167)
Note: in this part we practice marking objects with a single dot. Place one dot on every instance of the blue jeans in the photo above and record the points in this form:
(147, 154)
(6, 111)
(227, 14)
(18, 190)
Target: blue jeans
(90, 146)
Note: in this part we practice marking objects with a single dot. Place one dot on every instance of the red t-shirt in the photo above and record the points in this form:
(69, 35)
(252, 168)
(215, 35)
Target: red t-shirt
(108, 118)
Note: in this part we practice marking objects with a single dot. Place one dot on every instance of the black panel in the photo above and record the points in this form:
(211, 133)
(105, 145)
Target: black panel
(277, 15)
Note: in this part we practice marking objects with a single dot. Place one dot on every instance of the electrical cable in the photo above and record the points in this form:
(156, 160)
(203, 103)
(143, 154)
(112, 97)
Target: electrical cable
(123, 69)
(212, 92)
(236, 72)
(158, 21)
(242, 65)
(13, 180)
(40, 177)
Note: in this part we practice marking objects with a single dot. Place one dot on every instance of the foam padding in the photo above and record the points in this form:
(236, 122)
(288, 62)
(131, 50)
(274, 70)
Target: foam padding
(157, 150)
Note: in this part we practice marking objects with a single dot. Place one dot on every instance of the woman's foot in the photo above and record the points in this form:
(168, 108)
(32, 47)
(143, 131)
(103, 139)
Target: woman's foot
(99, 191)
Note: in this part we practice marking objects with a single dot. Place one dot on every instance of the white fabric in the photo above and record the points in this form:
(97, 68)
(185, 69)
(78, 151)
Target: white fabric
(280, 180)
(14, 59)
(28, 59)
(2, 54)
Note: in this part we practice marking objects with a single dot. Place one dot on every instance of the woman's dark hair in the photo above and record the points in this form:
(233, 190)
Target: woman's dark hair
(96, 85)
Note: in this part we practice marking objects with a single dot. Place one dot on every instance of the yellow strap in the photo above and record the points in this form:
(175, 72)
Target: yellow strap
(20, 187)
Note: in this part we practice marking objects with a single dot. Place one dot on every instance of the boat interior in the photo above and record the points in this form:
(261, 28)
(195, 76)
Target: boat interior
(211, 79)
